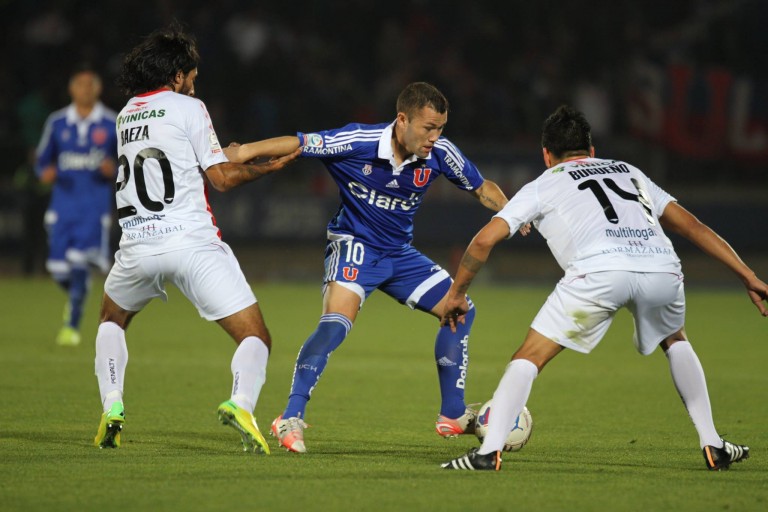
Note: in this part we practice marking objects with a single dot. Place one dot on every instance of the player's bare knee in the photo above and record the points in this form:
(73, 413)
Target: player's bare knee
(672, 339)
(111, 312)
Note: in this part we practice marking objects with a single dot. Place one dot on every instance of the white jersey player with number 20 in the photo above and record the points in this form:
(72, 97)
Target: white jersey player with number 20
(168, 154)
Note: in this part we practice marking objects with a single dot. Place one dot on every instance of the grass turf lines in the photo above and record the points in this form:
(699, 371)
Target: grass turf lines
(610, 432)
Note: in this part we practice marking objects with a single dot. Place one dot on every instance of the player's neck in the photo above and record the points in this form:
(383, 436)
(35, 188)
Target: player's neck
(84, 110)
(398, 150)
(575, 157)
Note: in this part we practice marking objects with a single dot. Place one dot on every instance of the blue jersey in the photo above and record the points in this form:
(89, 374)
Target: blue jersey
(77, 148)
(378, 198)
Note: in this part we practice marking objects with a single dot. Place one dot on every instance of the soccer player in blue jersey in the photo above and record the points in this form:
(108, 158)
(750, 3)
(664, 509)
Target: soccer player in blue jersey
(77, 155)
(383, 171)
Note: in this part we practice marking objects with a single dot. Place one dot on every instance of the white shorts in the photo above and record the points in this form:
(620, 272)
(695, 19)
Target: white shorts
(579, 311)
(209, 276)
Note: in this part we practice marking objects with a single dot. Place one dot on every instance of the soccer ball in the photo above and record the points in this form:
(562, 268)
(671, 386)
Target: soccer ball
(519, 435)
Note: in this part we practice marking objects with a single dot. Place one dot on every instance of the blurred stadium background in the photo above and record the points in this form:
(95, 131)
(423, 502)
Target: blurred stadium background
(679, 88)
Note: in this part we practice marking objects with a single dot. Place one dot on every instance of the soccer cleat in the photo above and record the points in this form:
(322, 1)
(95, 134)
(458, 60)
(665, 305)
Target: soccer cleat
(474, 461)
(722, 458)
(245, 424)
(290, 433)
(68, 337)
(108, 435)
(464, 424)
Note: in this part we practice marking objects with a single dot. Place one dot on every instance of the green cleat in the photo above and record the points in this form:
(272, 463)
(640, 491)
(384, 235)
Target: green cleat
(68, 337)
(110, 426)
(245, 424)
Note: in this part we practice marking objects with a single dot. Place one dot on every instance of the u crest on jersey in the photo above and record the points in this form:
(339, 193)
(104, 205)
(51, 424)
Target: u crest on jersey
(421, 176)
(350, 273)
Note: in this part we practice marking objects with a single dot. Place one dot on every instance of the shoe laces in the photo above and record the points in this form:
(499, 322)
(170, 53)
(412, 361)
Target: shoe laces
(295, 425)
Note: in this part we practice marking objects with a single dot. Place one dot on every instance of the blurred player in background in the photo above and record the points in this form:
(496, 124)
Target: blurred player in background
(168, 153)
(383, 172)
(603, 221)
(76, 154)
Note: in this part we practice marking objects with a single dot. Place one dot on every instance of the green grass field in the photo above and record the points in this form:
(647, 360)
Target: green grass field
(610, 432)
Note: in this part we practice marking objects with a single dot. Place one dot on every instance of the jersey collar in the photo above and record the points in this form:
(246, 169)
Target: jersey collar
(386, 153)
(94, 117)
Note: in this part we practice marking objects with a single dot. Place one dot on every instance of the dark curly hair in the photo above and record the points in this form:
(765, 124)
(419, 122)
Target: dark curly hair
(155, 61)
(566, 131)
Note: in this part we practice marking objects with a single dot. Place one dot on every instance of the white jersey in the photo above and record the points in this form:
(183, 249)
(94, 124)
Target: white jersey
(165, 142)
(596, 215)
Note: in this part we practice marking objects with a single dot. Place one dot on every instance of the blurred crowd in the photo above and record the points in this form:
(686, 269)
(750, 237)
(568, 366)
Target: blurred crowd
(274, 68)
(680, 88)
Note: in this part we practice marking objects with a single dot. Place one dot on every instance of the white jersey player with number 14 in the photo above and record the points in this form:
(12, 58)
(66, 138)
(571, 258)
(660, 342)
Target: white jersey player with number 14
(603, 222)
(168, 154)
(587, 210)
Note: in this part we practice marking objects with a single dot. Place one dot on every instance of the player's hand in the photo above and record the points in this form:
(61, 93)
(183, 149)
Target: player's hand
(48, 175)
(758, 293)
(278, 162)
(108, 168)
(455, 312)
(526, 229)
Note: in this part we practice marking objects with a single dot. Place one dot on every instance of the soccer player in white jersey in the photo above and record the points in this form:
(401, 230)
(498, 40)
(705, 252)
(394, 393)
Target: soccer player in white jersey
(604, 221)
(383, 172)
(168, 153)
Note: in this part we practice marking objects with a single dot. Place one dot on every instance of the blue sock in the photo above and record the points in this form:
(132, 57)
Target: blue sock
(452, 358)
(78, 289)
(313, 357)
(62, 279)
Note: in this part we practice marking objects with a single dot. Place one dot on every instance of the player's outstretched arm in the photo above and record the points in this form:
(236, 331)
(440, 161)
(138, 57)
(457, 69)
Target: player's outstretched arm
(474, 258)
(677, 219)
(228, 175)
(490, 195)
(275, 147)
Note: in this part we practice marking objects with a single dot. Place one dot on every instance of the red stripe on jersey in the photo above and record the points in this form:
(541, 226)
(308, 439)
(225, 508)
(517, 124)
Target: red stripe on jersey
(208, 208)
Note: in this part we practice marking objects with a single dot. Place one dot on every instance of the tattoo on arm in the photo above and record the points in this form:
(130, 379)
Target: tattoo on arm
(489, 202)
(471, 263)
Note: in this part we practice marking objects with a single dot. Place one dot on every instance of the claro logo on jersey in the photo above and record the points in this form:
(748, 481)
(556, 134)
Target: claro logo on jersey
(383, 201)
(74, 161)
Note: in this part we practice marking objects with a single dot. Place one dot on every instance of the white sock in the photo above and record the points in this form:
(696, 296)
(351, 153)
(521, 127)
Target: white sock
(111, 360)
(249, 372)
(508, 401)
(688, 376)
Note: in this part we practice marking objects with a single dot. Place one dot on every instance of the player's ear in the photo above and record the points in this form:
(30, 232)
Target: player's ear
(547, 157)
(178, 81)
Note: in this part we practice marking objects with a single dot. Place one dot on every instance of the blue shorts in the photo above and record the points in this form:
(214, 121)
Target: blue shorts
(77, 241)
(404, 274)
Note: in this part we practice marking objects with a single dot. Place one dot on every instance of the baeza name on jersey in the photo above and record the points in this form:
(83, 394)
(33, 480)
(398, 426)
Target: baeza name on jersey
(133, 134)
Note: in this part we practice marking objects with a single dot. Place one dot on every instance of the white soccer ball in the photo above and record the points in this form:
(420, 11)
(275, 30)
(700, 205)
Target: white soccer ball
(521, 431)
